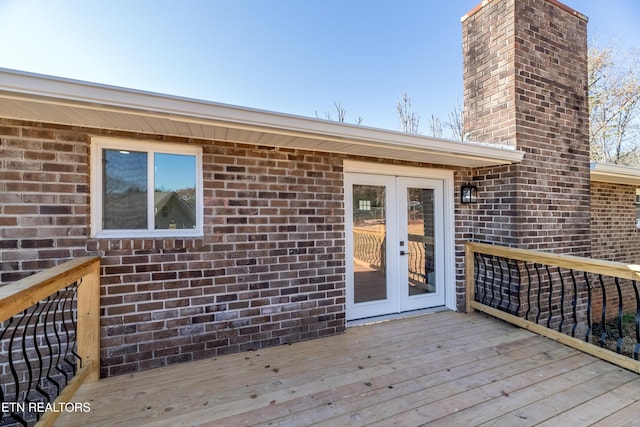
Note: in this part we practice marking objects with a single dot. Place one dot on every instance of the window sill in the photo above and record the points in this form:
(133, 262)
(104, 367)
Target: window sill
(137, 234)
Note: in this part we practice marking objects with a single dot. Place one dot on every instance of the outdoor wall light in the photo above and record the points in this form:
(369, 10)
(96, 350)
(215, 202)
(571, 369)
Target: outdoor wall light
(469, 194)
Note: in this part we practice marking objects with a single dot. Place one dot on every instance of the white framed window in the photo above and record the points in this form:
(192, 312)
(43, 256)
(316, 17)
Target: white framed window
(145, 189)
(364, 205)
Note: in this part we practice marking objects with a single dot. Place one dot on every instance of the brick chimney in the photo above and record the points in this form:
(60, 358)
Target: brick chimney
(525, 85)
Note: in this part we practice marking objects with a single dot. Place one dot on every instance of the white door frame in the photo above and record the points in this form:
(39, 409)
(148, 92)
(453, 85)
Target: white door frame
(448, 223)
(437, 299)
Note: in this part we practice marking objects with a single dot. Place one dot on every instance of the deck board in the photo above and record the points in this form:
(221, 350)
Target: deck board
(441, 368)
(601, 407)
(562, 391)
(626, 417)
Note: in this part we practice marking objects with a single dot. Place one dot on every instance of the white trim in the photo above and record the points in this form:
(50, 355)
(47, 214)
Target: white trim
(35, 97)
(615, 174)
(98, 143)
(448, 215)
(377, 307)
(353, 166)
(394, 316)
(437, 298)
(448, 204)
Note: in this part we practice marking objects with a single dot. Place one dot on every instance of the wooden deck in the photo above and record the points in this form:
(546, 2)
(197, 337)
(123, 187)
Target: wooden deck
(445, 369)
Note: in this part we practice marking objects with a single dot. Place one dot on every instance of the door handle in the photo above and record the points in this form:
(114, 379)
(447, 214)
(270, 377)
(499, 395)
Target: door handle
(404, 253)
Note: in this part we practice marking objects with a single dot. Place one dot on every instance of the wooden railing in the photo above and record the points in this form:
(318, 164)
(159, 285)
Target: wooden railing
(50, 340)
(588, 304)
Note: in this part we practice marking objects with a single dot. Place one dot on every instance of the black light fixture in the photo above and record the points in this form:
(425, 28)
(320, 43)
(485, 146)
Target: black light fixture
(469, 194)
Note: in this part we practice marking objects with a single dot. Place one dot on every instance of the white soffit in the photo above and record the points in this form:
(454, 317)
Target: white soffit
(34, 97)
(615, 174)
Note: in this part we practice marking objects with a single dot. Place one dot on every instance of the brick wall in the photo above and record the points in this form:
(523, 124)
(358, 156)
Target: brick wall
(525, 78)
(269, 270)
(614, 235)
(489, 75)
(44, 195)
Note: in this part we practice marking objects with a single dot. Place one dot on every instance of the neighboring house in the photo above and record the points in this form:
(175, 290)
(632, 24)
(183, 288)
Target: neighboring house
(121, 210)
(173, 212)
(293, 225)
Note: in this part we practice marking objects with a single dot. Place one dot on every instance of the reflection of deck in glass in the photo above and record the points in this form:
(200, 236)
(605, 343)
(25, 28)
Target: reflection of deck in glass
(369, 283)
(369, 263)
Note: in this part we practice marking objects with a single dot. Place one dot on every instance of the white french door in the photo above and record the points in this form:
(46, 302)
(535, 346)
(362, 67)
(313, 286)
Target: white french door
(395, 244)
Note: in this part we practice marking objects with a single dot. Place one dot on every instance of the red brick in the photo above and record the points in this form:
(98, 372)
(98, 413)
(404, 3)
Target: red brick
(154, 285)
(556, 194)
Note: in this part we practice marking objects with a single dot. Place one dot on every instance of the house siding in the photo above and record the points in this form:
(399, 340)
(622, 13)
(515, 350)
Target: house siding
(269, 269)
(44, 194)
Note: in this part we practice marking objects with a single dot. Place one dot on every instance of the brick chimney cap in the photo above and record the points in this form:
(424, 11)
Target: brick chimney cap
(554, 2)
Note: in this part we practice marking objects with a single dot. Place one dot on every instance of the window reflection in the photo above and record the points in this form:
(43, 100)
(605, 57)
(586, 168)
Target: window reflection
(175, 191)
(421, 254)
(369, 243)
(124, 190)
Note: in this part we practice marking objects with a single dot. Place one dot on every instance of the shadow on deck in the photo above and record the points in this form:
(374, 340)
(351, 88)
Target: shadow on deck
(441, 368)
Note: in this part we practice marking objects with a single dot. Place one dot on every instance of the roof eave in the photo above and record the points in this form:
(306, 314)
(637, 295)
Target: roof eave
(72, 96)
(615, 174)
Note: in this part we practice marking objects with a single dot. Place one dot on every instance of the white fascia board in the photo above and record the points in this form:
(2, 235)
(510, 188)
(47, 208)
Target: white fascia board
(73, 93)
(615, 174)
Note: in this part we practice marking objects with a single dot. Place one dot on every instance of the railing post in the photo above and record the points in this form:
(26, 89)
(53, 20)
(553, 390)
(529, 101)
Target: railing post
(89, 321)
(469, 271)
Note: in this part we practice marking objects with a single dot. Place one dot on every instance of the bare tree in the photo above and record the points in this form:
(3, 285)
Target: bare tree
(435, 127)
(456, 122)
(614, 106)
(409, 122)
(341, 114)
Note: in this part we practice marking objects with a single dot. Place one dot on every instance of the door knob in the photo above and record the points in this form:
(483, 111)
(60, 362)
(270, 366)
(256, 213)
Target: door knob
(404, 253)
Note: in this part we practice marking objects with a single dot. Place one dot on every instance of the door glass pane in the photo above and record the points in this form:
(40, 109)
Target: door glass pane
(175, 191)
(369, 243)
(124, 190)
(420, 228)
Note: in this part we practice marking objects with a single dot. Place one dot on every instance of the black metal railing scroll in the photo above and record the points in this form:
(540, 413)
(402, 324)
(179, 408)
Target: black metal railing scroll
(498, 283)
(594, 307)
(369, 248)
(421, 258)
(38, 357)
